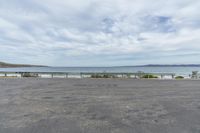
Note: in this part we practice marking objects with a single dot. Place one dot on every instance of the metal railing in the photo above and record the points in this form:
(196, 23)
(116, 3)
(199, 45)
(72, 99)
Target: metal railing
(137, 75)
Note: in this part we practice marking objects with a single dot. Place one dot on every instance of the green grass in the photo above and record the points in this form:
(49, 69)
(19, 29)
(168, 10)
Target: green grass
(179, 77)
(149, 76)
(102, 76)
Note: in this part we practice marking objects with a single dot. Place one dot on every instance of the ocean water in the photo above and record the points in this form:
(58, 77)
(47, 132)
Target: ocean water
(176, 70)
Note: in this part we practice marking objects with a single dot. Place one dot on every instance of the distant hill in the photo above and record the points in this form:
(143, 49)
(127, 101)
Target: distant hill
(8, 65)
(165, 65)
(173, 65)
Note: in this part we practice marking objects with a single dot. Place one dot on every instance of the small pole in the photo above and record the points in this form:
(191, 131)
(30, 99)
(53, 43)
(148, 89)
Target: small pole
(172, 76)
(52, 75)
(81, 75)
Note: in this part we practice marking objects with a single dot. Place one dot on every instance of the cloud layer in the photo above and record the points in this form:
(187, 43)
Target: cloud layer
(99, 32)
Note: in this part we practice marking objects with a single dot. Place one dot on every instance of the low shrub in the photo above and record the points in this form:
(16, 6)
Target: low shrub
(29, 75)
(150, 76)
(179, 77)
(102, 76)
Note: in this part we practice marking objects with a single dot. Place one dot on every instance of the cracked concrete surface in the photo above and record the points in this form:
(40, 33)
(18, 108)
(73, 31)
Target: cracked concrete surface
(99, 106)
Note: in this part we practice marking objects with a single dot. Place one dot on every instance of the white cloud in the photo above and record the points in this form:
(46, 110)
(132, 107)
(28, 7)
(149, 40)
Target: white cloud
(98, 29)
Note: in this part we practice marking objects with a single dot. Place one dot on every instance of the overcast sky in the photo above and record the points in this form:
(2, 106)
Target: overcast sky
(100, 32)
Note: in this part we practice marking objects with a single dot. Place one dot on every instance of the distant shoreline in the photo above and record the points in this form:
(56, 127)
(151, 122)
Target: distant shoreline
(9, 65)
(184, 65)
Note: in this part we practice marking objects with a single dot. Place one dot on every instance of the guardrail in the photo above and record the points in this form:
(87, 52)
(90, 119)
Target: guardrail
(84, 74)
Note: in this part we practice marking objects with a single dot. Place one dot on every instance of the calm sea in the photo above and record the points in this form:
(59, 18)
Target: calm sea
(177, 70)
